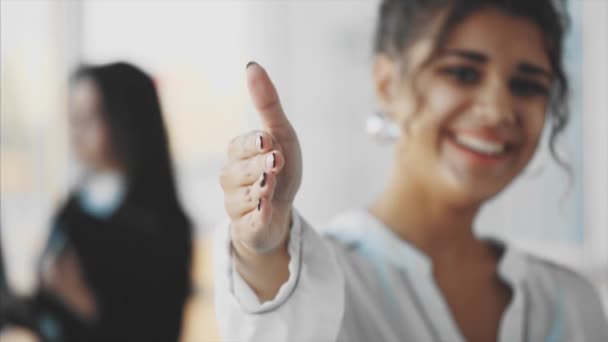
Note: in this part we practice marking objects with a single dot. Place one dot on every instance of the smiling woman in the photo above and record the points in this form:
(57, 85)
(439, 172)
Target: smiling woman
(482, 112)
(470, 83)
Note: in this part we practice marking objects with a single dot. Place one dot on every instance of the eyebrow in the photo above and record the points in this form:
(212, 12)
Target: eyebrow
(523, 67)
(467, 54)
(534, 70)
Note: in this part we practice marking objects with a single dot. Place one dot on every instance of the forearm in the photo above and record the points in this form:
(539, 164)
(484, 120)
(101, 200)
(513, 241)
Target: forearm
(263, 272)
(313, 279)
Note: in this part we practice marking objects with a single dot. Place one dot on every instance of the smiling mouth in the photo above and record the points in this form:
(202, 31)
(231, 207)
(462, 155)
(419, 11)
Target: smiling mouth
(481, 147)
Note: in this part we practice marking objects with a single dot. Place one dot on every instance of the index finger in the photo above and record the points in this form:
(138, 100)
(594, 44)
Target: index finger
(250, 144)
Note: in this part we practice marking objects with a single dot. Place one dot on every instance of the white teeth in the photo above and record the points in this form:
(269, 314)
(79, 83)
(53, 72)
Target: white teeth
(480, 145)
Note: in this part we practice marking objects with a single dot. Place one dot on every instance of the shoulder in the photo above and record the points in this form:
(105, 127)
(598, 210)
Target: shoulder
(575, 294)
(349, 228)
(348, 233)
(549, 279)
(540, 269)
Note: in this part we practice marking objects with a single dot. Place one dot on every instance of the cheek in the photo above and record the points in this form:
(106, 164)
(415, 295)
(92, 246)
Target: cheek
(91, 141)
(100, 141)
(434, 98)
(443, 100)
(421, 147)
(440, 104)
(533, 121)
(94, 140)
(532, 124)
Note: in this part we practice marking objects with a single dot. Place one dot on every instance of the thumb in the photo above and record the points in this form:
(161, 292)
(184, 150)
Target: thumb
(265, 98)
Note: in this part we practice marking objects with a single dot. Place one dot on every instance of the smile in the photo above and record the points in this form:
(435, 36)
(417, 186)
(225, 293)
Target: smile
(479, 145)
(481, 148)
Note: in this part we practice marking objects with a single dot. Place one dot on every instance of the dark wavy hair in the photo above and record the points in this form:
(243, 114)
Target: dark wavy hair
(401, 22)
(131, 110)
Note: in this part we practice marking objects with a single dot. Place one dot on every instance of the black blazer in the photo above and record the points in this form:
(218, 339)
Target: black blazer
(137, 264)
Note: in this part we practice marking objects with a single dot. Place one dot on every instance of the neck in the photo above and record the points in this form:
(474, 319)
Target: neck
(425, 219)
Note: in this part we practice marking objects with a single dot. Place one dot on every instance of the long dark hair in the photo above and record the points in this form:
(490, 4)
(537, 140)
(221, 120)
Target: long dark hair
(131, 110)
(401, 22)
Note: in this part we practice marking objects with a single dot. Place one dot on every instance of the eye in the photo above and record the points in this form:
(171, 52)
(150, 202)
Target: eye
(528, 88)
(461, 74)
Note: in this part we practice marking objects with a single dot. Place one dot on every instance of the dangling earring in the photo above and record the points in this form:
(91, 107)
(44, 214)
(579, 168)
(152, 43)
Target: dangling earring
(381, 128)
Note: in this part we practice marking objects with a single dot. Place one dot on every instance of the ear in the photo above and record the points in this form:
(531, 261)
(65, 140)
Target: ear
(385, 82)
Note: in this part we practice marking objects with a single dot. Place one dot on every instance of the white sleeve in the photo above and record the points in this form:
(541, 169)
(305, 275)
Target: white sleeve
(308, 307)
(588, 312)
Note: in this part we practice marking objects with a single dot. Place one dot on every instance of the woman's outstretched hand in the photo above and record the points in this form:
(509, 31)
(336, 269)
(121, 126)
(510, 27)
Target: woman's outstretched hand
(260, 181)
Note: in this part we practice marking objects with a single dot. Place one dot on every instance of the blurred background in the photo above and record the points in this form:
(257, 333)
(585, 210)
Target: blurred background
(319, 56)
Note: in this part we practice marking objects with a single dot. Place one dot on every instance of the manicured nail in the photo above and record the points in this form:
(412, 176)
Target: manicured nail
(259, 203)
(250, 64)
(271, 161)
(263, 182)
(259, 142)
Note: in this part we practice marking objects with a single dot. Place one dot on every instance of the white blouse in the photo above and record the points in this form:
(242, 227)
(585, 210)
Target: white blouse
(360, 282)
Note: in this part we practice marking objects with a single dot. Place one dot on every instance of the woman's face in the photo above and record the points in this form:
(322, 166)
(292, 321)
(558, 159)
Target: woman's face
(474, 117)
(89, 133)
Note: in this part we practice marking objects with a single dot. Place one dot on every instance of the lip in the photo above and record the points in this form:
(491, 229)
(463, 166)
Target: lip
(478, 158)
(483, 134)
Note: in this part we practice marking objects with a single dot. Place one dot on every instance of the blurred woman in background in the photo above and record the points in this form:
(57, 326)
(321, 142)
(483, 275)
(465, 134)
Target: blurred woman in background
(117, 262)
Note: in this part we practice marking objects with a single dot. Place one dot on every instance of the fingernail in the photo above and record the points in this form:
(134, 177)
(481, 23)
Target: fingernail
(271, 161)
(263, 182)
(259, 142)
(250, 64)
(259, 203)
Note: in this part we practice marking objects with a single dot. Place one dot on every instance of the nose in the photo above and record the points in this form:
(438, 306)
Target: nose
(495, 105)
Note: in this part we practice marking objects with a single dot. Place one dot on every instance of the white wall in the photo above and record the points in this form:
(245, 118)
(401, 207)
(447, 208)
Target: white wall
(595, 140)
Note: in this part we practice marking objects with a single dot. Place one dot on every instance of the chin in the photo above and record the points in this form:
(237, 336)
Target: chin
(478, 183)
(470, 190)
